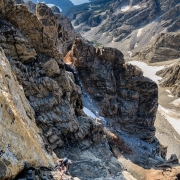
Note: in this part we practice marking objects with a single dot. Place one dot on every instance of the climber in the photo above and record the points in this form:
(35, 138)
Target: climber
(64, 165)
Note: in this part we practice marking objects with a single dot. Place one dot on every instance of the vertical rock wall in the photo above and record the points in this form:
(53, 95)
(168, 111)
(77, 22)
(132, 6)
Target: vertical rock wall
(119, 90)
(20, 141)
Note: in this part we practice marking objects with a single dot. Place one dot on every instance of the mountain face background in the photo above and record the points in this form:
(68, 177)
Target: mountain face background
(63, 4)
(126, 25)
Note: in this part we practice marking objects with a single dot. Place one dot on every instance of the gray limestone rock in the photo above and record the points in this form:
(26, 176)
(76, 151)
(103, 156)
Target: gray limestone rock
(165, 47)
(118, 89)
(171, 78)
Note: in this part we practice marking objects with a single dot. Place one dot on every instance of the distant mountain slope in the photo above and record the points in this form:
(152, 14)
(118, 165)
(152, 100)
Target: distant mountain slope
(63, 4)
(128, 25)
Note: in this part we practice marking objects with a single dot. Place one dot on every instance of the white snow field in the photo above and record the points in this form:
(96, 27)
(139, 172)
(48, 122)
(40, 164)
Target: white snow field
(89, 113)
(125, 8)
(172, 117)
(139, 32)
(148, 71)
(77, 2)
(51, 5)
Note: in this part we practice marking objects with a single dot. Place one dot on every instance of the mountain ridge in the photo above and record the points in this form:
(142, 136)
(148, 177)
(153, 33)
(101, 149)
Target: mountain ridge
(126, 25)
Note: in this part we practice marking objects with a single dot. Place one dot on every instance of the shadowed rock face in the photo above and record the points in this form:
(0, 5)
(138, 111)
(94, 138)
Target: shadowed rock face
(51, 91)
(165, 47)
(171, 78)
(119, 90)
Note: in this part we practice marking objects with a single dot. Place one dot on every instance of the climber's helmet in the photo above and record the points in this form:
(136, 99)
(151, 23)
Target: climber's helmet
(65, 160)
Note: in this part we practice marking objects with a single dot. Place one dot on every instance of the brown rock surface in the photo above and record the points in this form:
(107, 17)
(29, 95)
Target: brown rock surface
(20, 141)
(166, 173)
(42, 38)
(126, 99)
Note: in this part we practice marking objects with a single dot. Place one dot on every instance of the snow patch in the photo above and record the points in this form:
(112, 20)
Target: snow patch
(148, 71)
(139, 32)
(170, 96)
(176, 102)
(168, 91)
(129, 53)
(89, 113)
(125, 8)
(172, 117)
(137, 7)
(51, 5)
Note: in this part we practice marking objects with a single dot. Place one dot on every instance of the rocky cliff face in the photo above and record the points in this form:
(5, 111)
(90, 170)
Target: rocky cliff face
(20, 139)
(126, 101)
(171, 78)
(126, 25)
(50, 90)
(120, 91)
(34, 47)
(165, 47)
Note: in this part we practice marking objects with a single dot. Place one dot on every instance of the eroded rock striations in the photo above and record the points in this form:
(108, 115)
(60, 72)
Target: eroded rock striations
(20, 142)
(171, 78)
(119, 90)
(50, 90)
(164, 47)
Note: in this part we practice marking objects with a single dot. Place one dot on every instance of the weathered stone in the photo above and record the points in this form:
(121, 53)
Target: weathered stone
(41, 37)
(119, 90)
(165, 47)
(171, 78)
(20, 141)
(51, 68)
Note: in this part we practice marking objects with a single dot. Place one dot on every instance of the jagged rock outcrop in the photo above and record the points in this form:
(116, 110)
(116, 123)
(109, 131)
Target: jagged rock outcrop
(165, 47)
(119, 90)
(49, 88)
(51, 92)
(171, 78)
(30, 26)
(31, 5)
(20, 140)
